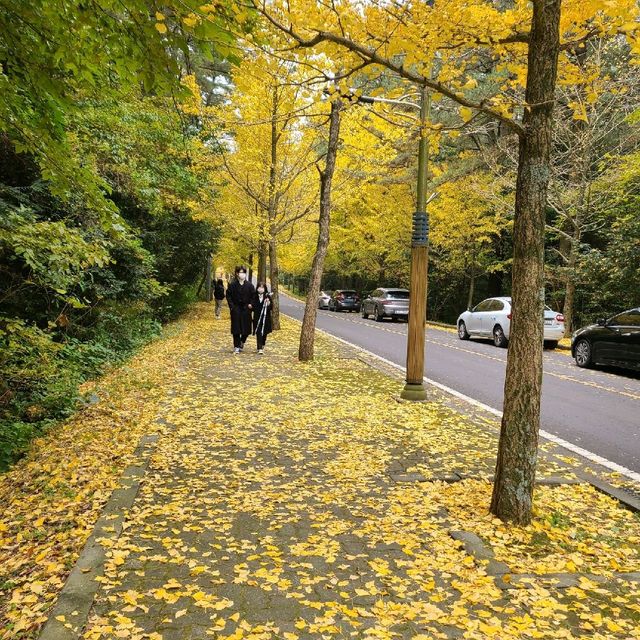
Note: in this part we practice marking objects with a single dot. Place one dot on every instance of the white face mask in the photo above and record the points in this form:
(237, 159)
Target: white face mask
(260, 290)
(242, 277)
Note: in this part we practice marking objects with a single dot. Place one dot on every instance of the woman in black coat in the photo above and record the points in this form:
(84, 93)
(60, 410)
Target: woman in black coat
(240, 296)
(262, 324)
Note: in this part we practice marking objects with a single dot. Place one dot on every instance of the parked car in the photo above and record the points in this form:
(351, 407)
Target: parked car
(344, 300)
(615, 341)
(391, 303)
(492, 319)
(323, 299)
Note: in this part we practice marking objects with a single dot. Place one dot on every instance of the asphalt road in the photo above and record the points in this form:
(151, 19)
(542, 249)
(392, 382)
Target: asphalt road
(597, 410)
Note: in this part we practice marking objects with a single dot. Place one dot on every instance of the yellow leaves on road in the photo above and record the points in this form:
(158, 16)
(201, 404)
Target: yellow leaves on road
(50, 501)
(270, 511)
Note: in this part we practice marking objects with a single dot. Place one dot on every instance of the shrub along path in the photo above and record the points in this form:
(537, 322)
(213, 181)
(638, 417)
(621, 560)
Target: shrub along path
(284, 500)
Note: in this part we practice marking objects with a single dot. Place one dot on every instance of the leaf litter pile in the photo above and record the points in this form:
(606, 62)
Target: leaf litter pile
(271, 510)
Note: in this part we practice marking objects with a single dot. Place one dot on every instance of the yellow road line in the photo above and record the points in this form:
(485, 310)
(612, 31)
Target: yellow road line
(560, 376)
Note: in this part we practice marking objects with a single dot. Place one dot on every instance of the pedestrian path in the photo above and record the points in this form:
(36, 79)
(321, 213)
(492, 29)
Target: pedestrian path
(305, 501)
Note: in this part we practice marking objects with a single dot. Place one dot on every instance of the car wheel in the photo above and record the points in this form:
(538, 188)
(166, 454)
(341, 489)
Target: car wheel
(463, 334)
(365, 315)
(499, 338)
(582, 353)
(550, 344)
(379, 316)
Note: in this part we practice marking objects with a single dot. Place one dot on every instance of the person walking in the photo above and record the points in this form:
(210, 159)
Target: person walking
(239, 297)
(218, 294)
(262, 324)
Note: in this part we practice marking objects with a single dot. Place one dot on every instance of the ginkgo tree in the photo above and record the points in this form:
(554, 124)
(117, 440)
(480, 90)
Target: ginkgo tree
(268, 156)
(376, 191)
(465, 225)
(441, 45)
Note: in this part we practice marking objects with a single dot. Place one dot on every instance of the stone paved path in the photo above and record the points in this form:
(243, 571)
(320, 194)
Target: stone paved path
(275, 506)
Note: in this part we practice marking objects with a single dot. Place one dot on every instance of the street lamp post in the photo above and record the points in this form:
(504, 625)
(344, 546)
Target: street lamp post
(414, 385)
(414, 379)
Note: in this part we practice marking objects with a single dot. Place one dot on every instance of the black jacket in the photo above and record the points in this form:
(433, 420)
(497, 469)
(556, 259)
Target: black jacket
(218, 292)
(262, 323)
(239, 297)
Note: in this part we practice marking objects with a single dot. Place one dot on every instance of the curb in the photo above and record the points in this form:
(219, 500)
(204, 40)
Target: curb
(626, 498)
(71, 611)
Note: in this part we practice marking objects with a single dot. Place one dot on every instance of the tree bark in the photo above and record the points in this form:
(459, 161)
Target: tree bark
(518, 447)
(307, 334)
(208, 278)
(262, 262)
(472, 286)
(274, 275)
(271, 212)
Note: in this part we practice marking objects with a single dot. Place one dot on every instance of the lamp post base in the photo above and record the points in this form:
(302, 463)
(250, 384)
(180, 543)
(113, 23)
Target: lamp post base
(415, 392)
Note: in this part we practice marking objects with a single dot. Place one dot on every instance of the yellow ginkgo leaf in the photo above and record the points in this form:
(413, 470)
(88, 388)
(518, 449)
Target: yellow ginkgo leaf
(466, 114)
(191, 20)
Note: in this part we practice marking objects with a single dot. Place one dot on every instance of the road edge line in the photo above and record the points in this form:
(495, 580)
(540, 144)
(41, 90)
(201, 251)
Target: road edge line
(593, 457)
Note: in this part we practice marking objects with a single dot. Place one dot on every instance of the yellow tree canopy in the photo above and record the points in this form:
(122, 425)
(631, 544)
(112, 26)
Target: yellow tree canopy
(268, 151)
(447, 43)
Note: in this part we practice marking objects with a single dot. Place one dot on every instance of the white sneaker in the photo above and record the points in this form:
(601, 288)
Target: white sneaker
(237, 350)
(261, 352)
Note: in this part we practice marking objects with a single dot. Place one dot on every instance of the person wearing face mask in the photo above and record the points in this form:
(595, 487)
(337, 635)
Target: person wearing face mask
(262, 325)
(240, 297)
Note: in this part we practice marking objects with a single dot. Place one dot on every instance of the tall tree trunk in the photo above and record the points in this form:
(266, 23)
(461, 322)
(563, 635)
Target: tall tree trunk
(208, 277)
(582, 206)
(250, 266)
(518, 447)
(262, 262)
(274, 275)
(271, 213)
(472, 286)
(307, 334)
(569, 302)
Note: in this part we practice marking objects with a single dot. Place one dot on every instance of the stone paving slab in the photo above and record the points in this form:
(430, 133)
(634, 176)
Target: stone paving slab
(275, 509)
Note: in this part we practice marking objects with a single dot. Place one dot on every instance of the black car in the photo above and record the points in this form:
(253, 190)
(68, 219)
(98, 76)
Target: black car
(615, 341)
(344, 300)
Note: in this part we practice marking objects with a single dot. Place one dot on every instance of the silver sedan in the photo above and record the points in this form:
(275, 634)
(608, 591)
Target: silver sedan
(386, 303)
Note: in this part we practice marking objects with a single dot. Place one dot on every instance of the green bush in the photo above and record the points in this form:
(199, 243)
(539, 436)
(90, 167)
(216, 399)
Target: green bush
(41, 371)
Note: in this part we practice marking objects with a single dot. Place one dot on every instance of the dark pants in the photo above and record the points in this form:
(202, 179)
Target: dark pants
(261, 340)
(239, 340)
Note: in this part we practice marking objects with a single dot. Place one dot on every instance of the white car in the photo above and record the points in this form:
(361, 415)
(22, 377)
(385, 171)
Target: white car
(323, 300)
(492, 319)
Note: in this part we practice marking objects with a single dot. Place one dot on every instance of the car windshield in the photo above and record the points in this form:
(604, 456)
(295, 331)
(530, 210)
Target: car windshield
(398, 295)
(348, 293)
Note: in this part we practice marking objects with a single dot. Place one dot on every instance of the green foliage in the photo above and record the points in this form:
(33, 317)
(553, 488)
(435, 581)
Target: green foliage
(82, 291)
(609, 272)
(54, 253)
(53, 53)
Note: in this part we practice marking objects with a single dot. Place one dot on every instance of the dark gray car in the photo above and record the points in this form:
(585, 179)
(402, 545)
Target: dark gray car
(615, 341)
(344, 300)
(386, 303)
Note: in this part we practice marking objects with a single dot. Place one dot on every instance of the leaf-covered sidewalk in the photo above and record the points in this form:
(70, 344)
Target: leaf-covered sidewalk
(286, 500)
